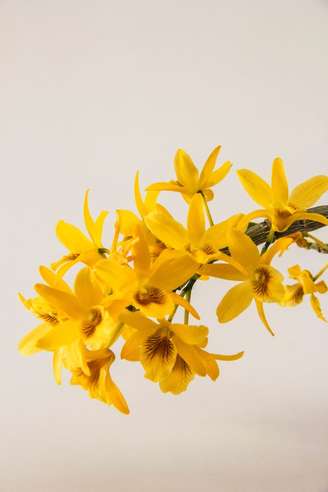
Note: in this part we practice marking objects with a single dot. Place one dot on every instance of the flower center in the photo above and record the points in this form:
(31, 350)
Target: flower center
(89, 326)
(160, 346)
(260, 281)
(150, 295)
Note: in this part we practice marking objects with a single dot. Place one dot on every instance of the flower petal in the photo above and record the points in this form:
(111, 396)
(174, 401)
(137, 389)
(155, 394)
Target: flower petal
(308, 193)
(181, 301)
(191, 356)
(228, 272)
(208, 167)
(260, 310)
(60, 335)
(86, 289)
(256, 187)
(158, 355)
(186, 171)
(219, 174)
(192, 335)
(72, 238)
(243, 250)
(61, 300)
(196, 220)
(28, 345)
(54, 280)
(172, 269)
(279, 183)
(316, 306)
(229, 357)
(234, 302)
(161, 223)
(179, 378)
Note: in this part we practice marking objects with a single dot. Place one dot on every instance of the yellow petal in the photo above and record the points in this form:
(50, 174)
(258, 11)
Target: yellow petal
(86, 289)
(161, 223)
(142, 259)
(208, 167)
(211, 366)
(229, 357)
(191, 356)
(29, 343)
(315, 303)
(94, 228)
(279, 183)
(165, 186)
(227, 272)
(131, 349)
(141, 207)
(119, 277)
(243, 250)
(256, 187)
(158, 355)
(308, 193)
(61, 300)
(179, 379)
(186, 171)
(127, 222)
(57, 364)
(260, 310)
(234, 302)
(278, 247)
(219, 174)
(116, 397)
(217, 235)
(181, 301)
(192, 335)
(54, 280)
(139, 322)
(60, 335)
(72, 238)
(196, 220)
(172, 269)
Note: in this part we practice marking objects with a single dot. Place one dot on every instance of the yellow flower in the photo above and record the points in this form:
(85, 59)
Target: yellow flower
(91, 317)
(281, 207)
(43, 310)
(189, 180)
(149, 285)
(80, 247)
(259, 281)
(202, 243)
(171, 353)
(99, 383)
(306, 285)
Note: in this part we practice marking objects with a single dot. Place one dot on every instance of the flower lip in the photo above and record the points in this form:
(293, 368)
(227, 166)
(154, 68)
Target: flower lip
(89, 326)
(150, 295)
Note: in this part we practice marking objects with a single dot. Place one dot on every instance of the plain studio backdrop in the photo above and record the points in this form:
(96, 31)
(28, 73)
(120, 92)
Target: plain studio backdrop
(90, 92)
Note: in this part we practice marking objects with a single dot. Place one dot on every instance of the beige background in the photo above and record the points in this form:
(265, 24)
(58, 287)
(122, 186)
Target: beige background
(91, 91)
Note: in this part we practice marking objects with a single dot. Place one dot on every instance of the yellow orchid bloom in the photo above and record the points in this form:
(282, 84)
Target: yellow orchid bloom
(200, 242)
(43, 310)
(171, 353)
(99, 383)
(91, 317)
(149, 286)
(189, 180)
(128, 223)
(80, 247)
(307, 284)
(281, 207)
(258, 280)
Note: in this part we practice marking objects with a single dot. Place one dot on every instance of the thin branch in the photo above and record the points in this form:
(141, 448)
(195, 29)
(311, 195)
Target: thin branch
(259, 232)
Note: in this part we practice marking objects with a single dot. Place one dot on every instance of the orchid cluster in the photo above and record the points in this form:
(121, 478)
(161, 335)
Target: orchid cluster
(128, 290)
